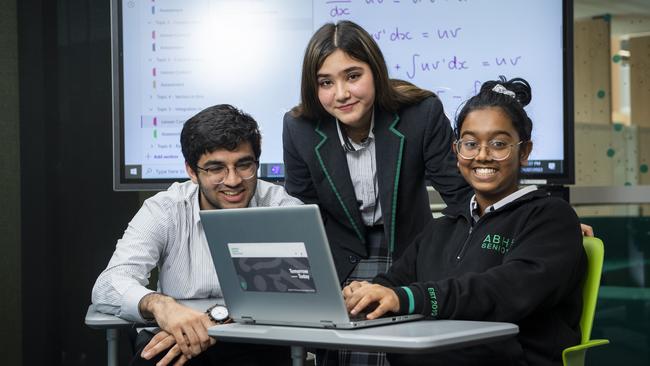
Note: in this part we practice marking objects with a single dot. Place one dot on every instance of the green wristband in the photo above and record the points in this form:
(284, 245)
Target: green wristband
(409, 293)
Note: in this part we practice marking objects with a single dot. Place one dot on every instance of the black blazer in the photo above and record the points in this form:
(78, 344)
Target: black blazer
(411, 146)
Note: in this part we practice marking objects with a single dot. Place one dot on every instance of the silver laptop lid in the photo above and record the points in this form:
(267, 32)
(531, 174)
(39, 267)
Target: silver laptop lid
(274, 265)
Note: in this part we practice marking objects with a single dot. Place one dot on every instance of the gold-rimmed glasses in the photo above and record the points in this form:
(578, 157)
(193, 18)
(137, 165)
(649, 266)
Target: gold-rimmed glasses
(497, 150)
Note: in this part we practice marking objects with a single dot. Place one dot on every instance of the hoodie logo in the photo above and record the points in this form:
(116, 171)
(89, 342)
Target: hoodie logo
(497, 243)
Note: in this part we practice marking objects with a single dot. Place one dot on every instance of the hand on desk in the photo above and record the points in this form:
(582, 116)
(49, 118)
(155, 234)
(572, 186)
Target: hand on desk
(183, 328)
(163, 341)
(358, 295)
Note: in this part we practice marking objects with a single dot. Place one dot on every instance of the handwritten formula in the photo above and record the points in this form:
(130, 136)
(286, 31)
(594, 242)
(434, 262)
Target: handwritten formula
(448, 46)
(452, 46)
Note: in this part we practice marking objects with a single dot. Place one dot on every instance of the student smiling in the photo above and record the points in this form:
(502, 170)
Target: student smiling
(363, 146)
(221, 146)
(508, 254)
(484, 150)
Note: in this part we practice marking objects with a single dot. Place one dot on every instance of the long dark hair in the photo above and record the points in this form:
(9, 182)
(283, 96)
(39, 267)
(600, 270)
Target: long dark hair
(390, 94)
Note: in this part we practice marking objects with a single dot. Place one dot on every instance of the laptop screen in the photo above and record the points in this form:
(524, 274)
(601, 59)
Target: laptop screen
(275, 266)
(272, 267)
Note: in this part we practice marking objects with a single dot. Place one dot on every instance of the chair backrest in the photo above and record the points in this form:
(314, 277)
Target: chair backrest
(595, 251)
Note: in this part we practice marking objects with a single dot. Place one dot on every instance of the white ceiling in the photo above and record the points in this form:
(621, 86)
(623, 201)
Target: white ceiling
(590, 8)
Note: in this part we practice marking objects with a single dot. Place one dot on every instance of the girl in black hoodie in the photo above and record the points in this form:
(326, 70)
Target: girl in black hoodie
(508, 254)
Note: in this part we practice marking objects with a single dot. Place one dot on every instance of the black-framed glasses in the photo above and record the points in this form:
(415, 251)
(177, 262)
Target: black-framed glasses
(217, 173)
(496, 149)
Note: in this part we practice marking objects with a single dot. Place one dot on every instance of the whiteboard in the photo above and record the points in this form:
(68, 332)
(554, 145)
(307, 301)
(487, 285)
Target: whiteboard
(173, 58)
(451, 46)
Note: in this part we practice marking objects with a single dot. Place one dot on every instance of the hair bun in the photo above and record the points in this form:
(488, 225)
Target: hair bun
(521, 88)
(518, 86)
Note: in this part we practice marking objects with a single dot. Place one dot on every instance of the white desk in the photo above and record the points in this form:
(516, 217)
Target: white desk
(411, 337)
(112, 324)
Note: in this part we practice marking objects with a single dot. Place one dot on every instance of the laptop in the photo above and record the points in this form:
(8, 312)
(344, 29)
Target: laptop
(275, 267)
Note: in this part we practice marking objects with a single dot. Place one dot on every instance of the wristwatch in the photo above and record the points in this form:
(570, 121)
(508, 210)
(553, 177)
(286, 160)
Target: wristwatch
(218, 314)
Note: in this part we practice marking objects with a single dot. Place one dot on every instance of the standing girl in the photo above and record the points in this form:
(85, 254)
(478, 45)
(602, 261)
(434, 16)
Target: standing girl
(362, 147)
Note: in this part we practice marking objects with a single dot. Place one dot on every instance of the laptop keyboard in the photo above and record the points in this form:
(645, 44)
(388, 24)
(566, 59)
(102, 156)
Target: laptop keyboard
(358, 317)
(369, 309)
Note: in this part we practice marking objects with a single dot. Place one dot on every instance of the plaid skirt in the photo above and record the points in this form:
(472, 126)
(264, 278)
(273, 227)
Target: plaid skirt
(379, 261)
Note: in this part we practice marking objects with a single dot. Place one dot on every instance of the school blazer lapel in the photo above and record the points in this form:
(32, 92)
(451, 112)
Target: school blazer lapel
(332, 161)
(389, 153)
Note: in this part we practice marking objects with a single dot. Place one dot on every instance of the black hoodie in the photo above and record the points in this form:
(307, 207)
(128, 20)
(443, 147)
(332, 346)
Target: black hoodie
(522, 263)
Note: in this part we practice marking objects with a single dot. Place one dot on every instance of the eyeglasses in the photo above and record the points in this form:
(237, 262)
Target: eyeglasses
(217, 174)
(497, 150)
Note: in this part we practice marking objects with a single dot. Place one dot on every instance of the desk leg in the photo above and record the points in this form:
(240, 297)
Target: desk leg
(297, 355)
(112, 341)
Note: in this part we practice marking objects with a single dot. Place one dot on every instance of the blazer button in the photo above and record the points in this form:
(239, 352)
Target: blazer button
(353, 259)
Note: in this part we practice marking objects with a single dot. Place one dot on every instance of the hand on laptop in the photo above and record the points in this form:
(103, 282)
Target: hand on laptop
(359, 295)
(183, 327)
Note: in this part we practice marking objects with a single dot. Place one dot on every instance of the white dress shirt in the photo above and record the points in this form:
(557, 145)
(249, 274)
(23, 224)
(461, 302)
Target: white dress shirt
(362, 163)
(167, 233)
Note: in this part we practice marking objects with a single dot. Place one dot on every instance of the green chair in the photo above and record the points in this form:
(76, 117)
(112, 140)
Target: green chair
(575, 356)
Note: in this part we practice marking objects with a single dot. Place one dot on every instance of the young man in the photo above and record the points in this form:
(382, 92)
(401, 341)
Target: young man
(221, 147)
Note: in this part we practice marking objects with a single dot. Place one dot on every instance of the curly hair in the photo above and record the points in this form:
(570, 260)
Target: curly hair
(514, 95)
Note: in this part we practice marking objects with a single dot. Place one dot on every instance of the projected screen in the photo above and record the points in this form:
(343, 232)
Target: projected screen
(172, 58)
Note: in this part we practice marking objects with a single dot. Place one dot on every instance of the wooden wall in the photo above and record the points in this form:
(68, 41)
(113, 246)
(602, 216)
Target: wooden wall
(592, 71)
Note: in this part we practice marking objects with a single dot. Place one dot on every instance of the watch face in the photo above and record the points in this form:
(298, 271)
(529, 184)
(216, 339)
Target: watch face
(219, 313)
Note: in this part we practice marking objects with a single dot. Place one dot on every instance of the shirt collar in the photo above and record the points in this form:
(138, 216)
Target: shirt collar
(196, 204)
(473, 205)
(347, 143)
